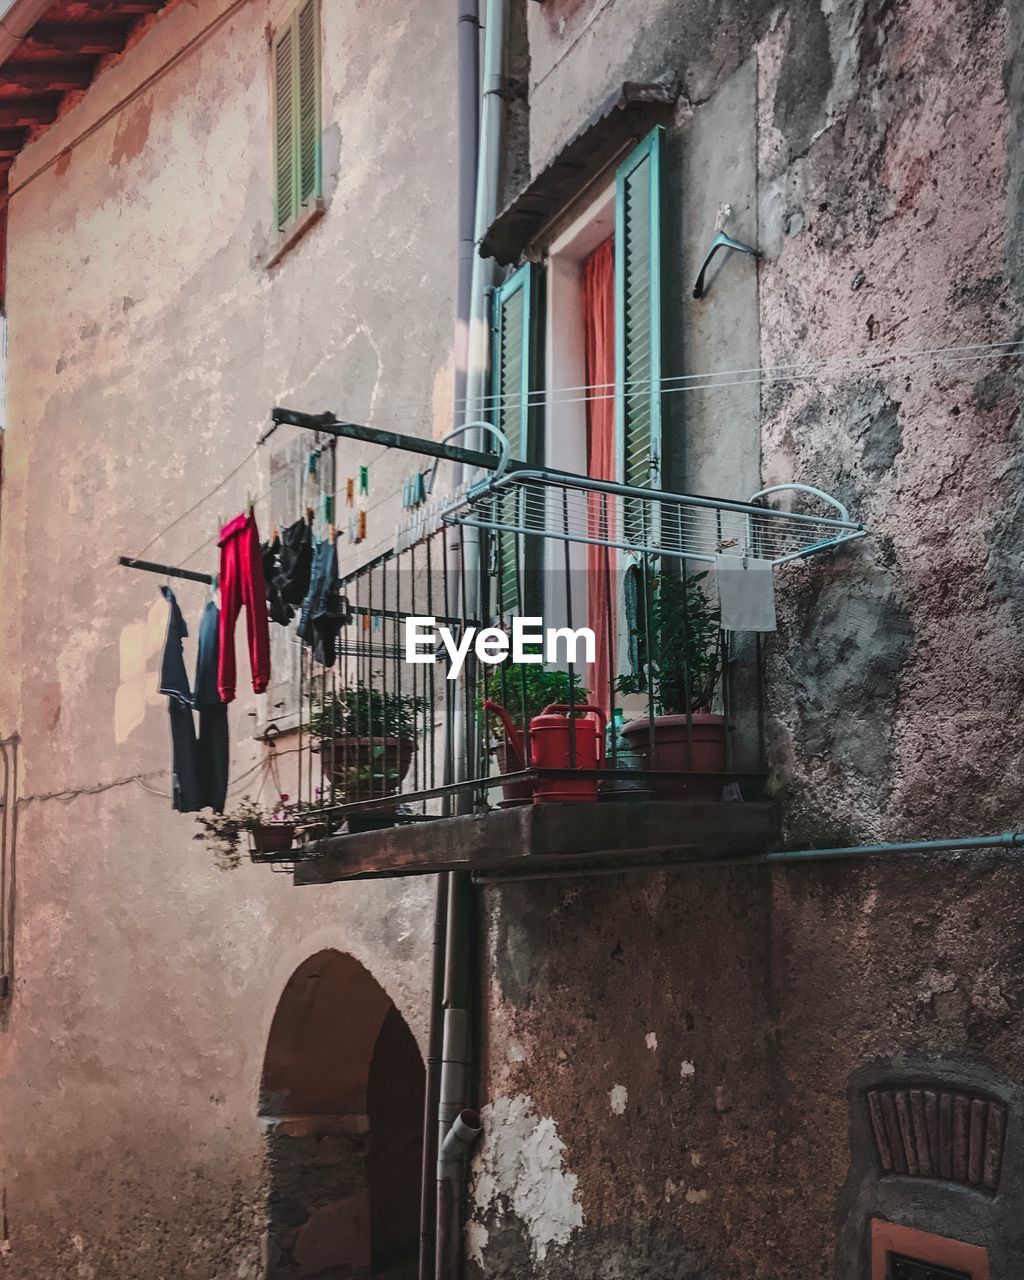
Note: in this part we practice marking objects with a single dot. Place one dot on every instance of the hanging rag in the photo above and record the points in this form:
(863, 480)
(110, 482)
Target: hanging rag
(746, 593)
(278, 608)
(186, 794)
(296, 562)
(241, 583)
(324, 610)
(634, 605)
(212, 747)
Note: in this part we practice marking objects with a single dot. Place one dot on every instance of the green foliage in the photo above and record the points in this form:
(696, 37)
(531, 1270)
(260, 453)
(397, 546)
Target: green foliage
(526, 688)
(685, 662)
(366, 711)
(223, 831)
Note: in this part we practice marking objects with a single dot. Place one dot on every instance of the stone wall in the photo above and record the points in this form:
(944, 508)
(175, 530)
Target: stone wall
(686, 1056)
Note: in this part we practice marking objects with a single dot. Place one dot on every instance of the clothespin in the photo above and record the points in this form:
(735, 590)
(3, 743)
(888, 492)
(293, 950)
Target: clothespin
(249, 503)
(421, 486)
(327, 508)
(364, 479)
(310, 515)
(350, 492)
(362, 525)
(311, 464)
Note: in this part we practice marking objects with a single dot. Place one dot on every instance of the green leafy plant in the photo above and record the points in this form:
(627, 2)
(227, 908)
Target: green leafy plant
(223, 832)
(365, 711)
(526, 688)
(682, 669)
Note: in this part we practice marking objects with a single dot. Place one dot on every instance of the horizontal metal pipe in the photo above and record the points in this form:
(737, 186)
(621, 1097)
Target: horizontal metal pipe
(165, 570)
(1007, 840)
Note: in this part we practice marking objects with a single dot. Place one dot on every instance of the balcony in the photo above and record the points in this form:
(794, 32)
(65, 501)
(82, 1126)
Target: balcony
(645, 750)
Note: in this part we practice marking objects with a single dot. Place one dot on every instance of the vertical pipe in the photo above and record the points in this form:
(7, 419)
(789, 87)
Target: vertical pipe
(428, 1186)
(468, 90)
(455, 1051)
(468, 107)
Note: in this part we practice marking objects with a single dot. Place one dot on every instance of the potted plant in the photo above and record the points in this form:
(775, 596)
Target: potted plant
(524, 690)
(680, 675)
(270, 833)
(367, 740)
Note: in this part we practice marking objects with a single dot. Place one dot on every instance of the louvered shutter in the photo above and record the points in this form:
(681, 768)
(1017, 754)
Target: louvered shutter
(297, 114)
(515, 407)
(638, 322)
(309, 104)
(284, 127)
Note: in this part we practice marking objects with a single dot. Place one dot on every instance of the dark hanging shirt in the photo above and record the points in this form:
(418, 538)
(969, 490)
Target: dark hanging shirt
(185, 787)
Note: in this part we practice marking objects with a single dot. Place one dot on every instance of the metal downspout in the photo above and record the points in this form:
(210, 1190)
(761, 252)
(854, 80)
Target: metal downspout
(459, 949)
(432, 1086)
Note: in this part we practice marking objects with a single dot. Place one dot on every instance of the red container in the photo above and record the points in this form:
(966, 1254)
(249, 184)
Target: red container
(552, 735)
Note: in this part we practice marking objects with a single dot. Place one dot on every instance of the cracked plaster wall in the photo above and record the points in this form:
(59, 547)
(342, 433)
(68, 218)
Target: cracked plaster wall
(148, 343)
(691, 1039)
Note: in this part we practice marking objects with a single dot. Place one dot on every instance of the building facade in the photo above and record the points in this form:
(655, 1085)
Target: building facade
(809, 1067)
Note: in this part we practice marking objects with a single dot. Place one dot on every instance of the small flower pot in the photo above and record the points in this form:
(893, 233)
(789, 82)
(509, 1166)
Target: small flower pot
(272, 837)
(695, 754)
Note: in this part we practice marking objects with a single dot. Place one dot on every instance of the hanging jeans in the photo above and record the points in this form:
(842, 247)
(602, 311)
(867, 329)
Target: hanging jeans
(324, 610)
(241, 583)
(212, 748)
(186, 792)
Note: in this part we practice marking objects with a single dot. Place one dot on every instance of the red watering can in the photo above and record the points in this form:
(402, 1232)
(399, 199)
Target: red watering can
(552, 747)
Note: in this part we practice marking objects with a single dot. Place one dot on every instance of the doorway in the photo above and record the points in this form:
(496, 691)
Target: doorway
(342, 1110)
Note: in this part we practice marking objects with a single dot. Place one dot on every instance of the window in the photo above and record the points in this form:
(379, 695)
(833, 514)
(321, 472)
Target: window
(297, 153)
(623, 219)
(631, 210)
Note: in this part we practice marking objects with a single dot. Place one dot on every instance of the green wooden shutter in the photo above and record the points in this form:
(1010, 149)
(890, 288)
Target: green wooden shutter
(297, 162)
(516, 410)
(284, 128)
(638, 321)
(309, 103)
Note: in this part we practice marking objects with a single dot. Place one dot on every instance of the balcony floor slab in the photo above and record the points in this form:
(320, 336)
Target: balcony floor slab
(546, 837)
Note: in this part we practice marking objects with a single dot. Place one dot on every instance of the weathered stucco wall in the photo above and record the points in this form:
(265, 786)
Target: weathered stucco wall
(686, 1055)
(147, 345)
(673, 1065)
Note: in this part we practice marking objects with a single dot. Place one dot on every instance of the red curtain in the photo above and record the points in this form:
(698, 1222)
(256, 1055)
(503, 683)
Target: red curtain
(599, 343)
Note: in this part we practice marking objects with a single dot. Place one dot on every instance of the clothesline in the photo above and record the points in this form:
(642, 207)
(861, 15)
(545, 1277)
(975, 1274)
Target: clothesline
(779, 374)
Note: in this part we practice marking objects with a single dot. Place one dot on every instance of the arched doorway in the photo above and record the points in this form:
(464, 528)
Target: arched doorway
(342, 1108)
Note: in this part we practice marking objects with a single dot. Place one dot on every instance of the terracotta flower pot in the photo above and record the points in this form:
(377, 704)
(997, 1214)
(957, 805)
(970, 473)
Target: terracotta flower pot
(700, 767)
(346, 757)
(273, 837)
(515, 793)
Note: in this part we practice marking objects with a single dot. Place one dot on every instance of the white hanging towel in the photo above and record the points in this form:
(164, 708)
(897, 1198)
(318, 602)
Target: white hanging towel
(746, 593)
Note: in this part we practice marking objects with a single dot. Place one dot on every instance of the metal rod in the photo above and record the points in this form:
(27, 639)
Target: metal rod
(388, 439)
(165, 570)
(1008, 840)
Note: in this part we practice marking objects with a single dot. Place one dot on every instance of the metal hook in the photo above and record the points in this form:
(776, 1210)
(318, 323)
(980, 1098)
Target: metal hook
(721, 241)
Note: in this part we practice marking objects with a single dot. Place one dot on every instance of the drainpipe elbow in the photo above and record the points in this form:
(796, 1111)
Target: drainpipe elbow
(458, 1144)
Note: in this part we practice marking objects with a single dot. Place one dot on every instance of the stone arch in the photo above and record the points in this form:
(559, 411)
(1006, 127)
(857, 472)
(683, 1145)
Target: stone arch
(341, 1105)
